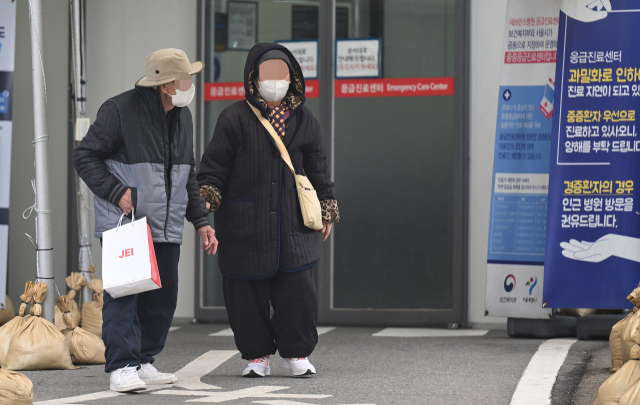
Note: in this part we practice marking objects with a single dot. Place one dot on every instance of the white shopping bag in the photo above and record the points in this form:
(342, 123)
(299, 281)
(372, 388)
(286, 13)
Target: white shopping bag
(128, 259)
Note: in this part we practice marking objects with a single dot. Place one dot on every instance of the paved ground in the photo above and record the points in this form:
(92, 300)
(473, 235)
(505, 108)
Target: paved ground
(354, 367)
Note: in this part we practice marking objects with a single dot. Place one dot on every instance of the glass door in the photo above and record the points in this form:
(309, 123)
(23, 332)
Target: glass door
(394, 129)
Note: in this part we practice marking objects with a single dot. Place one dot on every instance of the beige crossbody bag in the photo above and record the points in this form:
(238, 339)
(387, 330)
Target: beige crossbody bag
(309, 203)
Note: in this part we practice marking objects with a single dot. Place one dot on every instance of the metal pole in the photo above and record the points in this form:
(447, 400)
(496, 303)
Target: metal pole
(327, 130)
(44, 246)
(84, 259)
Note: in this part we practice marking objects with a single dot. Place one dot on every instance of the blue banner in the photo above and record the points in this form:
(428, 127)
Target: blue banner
(593, 230)
(7, 64)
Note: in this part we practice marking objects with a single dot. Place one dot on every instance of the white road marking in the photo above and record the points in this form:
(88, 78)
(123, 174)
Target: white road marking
(223, 332)
(228, 332)
(325, 329)
(538, 378)
(80, 398)
(428, 332)
(188, 377)
(285, 402)
(171, 329)
(253, 392)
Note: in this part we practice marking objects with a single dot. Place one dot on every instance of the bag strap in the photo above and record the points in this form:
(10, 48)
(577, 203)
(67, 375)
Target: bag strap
(274, 135)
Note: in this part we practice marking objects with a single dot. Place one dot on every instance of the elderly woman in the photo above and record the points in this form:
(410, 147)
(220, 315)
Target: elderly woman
(266, 254)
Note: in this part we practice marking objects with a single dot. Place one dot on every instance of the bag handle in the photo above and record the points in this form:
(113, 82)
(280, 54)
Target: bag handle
(276, 138)
(133, 218)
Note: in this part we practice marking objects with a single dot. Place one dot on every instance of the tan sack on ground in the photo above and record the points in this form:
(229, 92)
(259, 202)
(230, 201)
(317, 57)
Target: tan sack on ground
(612, 390)
(8, 313)
(92, 311)
(38, 345)
(13, 325)
(84, 347)
(15, 388)
(615, 342)
(75, 282)
(630, 326)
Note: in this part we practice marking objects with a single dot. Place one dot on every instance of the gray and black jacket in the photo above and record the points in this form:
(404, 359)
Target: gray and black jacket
(128, 147)
(257, 213)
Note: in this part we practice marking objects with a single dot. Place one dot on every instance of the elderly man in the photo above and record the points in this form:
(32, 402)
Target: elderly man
(138, 156)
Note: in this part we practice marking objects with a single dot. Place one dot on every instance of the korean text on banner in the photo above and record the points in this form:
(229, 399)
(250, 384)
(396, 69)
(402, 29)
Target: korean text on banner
(7, 62)
(593, 230)
(518, 218)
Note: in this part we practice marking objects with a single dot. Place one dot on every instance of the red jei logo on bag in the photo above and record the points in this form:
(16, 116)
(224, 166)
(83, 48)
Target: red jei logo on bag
(126, 253)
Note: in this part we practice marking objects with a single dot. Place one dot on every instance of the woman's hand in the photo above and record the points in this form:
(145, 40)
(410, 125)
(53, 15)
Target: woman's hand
(326, 229)
(209, 241)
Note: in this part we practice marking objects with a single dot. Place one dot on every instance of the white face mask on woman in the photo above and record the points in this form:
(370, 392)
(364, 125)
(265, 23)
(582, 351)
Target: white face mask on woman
(273, 90)
(182, 98)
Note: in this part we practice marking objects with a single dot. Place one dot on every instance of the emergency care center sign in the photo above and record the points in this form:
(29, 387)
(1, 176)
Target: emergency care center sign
(593, 230)
(7, 52)
(518, 218)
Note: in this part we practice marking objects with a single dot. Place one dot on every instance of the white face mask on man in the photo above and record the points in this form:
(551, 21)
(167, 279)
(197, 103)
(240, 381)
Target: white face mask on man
(182, 98)
(273, 90)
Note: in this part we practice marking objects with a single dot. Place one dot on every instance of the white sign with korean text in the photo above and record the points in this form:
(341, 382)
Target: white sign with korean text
(357, 58)
(515, 290)
(306, 53)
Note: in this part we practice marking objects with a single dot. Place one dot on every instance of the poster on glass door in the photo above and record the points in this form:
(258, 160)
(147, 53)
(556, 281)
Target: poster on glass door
(593, 230)
(518, 218)
(7, 62)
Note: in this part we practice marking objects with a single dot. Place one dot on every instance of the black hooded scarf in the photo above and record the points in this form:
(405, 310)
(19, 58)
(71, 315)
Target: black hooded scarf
(257, 216)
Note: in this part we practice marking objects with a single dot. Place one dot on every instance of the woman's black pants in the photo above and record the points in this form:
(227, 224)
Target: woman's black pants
(292, 329)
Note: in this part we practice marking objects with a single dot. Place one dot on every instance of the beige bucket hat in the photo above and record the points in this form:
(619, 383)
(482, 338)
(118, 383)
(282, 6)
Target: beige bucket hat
(165, 65)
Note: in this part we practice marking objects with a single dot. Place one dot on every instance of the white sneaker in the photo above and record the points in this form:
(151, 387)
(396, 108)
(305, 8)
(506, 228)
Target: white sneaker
(299, 366)
(150, 375)
(257, 368)
(126, 379)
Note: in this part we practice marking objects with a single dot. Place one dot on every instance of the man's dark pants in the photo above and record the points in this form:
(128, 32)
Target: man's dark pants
(135, 327)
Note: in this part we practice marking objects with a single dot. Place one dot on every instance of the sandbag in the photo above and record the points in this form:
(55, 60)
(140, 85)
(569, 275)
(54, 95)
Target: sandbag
(38, 344)
(632, 324)
(15, 388)
(92, 311)
(84, 347)
(75, 282)
(615, 342)
(8, 313)
(11, 327)
(616, 386)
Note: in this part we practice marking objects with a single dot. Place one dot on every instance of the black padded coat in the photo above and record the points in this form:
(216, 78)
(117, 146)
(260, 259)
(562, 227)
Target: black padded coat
(259, 223)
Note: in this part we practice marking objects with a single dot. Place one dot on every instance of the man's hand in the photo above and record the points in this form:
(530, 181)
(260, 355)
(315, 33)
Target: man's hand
(326, 229)
(209, 241)
(125, 203)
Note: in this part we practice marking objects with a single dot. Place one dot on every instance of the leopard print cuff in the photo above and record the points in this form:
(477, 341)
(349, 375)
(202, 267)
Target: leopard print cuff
(330, 211)
(211, 195)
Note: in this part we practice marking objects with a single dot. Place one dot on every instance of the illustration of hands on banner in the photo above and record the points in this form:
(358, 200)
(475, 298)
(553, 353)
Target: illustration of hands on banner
(609, 245)
(586, 10)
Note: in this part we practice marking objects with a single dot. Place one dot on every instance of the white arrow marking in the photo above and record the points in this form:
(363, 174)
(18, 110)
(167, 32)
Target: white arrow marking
(228, 332)
(253, 392)
(171, 329)
(188, 376)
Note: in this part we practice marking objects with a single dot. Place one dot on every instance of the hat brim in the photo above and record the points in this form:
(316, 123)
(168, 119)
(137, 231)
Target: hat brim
(196, 67)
